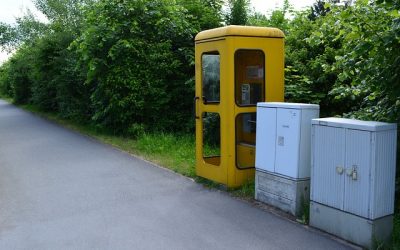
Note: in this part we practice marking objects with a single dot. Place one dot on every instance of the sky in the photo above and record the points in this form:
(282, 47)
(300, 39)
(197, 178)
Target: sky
(10, 9)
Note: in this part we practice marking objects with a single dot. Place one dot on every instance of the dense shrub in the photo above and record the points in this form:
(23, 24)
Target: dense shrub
(6, 89)
(58, 84)
(135, 54)
(18, 73)
(46, 68)
(308, 75)
(73, 95)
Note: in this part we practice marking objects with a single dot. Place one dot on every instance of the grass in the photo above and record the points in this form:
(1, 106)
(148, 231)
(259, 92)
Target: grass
(246, 191)
(176, 152)
(305, 211)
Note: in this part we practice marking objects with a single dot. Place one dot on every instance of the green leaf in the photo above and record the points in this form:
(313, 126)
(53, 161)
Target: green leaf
(394, 13)
(327, 5)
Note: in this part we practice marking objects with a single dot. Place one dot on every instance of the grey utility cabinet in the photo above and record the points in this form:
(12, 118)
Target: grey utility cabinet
(353, 170)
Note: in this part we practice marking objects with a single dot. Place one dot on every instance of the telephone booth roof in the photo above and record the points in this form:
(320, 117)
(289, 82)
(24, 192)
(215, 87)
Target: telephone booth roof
(236, 30)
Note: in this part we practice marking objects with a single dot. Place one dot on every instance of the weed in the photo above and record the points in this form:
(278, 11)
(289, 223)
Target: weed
(176, 152)
(245, 191)
(305, 211)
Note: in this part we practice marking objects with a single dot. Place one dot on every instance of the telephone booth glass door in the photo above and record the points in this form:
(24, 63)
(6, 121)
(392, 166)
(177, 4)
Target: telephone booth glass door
(249, 89)
(211, 122)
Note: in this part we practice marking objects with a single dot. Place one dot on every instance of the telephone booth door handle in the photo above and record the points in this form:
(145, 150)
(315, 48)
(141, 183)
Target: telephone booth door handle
(195, 103)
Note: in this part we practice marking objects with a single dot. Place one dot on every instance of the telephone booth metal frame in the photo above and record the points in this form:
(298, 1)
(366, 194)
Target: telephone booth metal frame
(236, 67)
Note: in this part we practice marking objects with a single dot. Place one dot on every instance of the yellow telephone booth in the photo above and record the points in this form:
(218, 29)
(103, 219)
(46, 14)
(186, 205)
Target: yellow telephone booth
(236, 67)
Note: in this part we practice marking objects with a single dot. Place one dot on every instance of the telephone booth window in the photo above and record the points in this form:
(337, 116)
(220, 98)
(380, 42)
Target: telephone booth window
(210, 66)
(211, 138)
(245, 140)
(249, 77)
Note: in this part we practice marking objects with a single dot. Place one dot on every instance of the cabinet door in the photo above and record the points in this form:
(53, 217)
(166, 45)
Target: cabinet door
(287, 142)
(358, 158)
(327, 182)
(265, 139)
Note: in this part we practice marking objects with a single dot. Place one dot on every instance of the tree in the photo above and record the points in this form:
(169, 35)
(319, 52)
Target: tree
(17, 75)
(278, 18)
(7, 36)
(237, 12)
(26, 30)
(308, 75)
(63, 14)
(203, 14)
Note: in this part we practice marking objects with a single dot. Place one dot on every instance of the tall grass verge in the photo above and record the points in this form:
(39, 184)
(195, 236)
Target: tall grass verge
(176, 152)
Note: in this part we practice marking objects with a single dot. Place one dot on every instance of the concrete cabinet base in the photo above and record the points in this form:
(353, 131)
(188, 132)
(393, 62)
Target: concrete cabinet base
(362, 231)
(290, 195)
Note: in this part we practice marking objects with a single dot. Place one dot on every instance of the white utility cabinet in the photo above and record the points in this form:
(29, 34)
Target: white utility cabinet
(353, 178)
(284, 138)
(283, 152)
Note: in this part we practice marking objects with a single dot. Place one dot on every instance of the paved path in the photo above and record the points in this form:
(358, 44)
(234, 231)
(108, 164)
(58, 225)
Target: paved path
(62, 190)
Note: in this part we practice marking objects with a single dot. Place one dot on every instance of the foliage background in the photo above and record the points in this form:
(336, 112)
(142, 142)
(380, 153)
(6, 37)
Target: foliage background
(128, 66)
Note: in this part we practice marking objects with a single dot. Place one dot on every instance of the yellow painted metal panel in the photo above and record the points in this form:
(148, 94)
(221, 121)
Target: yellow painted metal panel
(245, 155)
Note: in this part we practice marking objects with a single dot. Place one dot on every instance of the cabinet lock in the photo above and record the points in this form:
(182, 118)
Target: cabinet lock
(352, 172)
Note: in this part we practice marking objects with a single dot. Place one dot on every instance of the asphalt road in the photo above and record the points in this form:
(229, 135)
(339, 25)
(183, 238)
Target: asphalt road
(62, 190)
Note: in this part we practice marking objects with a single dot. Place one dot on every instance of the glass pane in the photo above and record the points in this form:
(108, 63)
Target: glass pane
(211, 77)
(211, 138)
(249, 77)
(245, 140)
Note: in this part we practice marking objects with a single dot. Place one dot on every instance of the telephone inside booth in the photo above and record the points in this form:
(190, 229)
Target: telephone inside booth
(249, 77)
